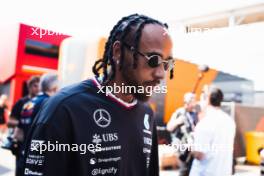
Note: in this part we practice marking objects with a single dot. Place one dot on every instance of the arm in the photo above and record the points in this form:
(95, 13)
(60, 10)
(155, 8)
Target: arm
(57, 129)
(175, 121)
(15, 114)
(154, 158)
(12, 122)
(198, 155)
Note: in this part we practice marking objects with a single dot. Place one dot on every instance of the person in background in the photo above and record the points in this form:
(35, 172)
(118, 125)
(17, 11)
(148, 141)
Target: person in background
(3, 107)
(33, 90)
(3, 110)
(213, 140)
(10, 143)
(48, 87)
(181, 125)
(203, 101)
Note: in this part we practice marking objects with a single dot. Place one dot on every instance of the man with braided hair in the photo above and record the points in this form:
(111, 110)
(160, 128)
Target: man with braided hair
(116, 129)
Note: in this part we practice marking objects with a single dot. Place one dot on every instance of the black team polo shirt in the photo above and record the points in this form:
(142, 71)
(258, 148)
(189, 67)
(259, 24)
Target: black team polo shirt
(113, 137)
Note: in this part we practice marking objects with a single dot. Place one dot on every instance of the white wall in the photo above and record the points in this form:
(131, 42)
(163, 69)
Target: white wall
(235, 50)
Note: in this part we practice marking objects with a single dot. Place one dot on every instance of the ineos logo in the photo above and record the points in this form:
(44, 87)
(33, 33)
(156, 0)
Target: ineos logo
(102, 118)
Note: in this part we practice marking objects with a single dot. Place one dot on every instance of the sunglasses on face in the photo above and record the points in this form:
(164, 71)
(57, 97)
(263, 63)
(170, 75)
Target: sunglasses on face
(154, 60)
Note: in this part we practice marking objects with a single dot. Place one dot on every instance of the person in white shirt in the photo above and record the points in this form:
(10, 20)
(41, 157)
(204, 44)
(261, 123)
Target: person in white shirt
(213, 140)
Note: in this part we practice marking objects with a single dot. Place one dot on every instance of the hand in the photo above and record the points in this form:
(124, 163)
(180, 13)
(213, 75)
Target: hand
(175, 123)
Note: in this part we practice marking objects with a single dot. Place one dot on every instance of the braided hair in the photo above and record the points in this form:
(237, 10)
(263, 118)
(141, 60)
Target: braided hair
(120, 32)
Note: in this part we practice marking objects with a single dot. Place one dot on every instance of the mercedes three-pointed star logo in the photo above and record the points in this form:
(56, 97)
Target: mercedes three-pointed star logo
(102, 118)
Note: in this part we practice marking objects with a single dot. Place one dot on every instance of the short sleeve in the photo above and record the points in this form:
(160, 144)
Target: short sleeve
(16, 110)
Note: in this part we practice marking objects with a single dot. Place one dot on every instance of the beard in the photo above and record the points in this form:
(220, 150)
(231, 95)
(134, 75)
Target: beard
(131, 79)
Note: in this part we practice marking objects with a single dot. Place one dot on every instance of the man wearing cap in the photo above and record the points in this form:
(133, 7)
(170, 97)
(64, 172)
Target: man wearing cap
(181, 125)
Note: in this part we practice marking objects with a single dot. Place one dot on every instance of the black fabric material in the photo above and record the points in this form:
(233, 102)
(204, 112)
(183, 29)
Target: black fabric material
(2, 115)
(17, 108)
(128, 141)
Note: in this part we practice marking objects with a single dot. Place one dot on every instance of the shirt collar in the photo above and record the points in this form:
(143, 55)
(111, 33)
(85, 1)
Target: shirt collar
(111, 96)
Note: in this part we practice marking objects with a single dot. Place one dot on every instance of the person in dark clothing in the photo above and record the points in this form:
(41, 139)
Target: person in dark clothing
(10, 142)
(48, 87)
(33, 90)
(90, 130)
(3, 113)
(3, 107)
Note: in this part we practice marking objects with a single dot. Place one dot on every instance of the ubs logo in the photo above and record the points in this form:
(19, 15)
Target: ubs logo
(107, 137)
(110, 137)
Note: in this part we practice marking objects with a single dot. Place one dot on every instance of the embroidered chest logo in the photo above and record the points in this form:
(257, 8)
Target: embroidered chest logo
(102, 118)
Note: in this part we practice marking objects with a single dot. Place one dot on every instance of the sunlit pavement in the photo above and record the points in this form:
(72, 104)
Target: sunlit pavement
(241, 170)
(7, 167)
(7, 163)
